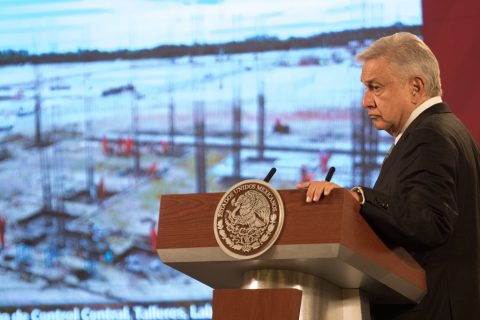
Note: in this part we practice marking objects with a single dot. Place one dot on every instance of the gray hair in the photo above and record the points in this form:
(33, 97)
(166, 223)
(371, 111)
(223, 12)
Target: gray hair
(409, 56)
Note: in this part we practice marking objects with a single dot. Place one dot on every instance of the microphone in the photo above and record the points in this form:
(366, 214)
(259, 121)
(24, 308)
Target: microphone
(329, 174)
(270, 175)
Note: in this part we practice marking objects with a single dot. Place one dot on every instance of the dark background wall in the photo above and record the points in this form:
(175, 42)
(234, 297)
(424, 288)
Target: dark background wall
(452, 30)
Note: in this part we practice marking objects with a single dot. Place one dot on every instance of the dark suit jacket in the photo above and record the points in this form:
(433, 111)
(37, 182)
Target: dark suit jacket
(427, 200)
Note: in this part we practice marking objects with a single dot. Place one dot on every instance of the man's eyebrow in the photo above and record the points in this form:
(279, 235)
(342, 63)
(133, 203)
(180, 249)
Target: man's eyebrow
(374, 79)
(371, 81)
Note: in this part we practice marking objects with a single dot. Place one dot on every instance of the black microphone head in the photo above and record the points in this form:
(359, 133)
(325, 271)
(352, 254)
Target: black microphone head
(270, 175)
(330, 174)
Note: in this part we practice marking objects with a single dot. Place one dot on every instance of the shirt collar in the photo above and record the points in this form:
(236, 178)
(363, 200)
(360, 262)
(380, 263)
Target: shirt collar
(417, 111)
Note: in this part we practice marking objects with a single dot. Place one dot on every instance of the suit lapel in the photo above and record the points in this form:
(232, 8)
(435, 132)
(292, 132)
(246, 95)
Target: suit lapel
(396, 151)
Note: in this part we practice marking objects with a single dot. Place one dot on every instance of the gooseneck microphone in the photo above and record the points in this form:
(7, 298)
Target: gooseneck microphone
(270, 175)
(329, 174)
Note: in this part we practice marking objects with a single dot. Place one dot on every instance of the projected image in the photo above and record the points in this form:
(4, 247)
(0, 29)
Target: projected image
(107, 105)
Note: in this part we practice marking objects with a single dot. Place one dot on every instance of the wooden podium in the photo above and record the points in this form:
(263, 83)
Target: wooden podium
(325, 249)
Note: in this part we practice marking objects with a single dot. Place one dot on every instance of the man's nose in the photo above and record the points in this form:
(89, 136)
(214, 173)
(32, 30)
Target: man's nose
(367, 101)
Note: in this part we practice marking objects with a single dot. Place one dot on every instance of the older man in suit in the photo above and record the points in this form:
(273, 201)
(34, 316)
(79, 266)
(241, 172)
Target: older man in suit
(427, 196)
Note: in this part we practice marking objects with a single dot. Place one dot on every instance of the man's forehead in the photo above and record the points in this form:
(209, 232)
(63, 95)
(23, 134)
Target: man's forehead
(374, 70)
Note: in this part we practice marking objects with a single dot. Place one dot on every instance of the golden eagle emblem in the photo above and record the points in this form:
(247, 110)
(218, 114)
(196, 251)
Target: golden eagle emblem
(248, 219)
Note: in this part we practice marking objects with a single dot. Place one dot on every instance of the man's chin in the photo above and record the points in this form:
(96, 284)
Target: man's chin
(379, 125)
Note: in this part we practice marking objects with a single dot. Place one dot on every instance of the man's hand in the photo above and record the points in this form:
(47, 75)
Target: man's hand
(317, 188)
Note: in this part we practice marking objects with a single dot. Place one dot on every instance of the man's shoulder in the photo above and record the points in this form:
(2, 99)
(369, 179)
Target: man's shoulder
(439, 119)
(443, 128)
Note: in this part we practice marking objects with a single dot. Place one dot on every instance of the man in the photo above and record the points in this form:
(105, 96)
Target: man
(427, 196)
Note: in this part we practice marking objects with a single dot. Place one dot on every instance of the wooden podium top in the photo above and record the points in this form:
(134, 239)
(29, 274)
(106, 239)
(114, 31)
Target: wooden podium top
(329, 239)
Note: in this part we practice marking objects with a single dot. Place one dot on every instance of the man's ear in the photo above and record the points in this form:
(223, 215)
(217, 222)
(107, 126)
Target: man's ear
(417, 87)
